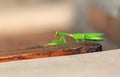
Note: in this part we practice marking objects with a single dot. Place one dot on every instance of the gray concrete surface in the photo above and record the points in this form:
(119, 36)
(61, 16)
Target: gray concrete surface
(102, 64)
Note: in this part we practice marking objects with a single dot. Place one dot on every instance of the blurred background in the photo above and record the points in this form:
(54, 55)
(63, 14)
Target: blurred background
(25, 23)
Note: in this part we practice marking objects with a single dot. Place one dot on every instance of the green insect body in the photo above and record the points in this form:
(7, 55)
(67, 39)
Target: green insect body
(83, 36)
(88, 36)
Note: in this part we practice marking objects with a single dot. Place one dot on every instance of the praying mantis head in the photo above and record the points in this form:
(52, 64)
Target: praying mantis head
(62, 34)
(57, 34)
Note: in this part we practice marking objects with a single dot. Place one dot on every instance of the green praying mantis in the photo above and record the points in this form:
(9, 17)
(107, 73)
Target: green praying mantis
(77, 37)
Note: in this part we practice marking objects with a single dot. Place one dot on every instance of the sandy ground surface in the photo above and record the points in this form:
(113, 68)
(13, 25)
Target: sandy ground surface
(101, 64)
